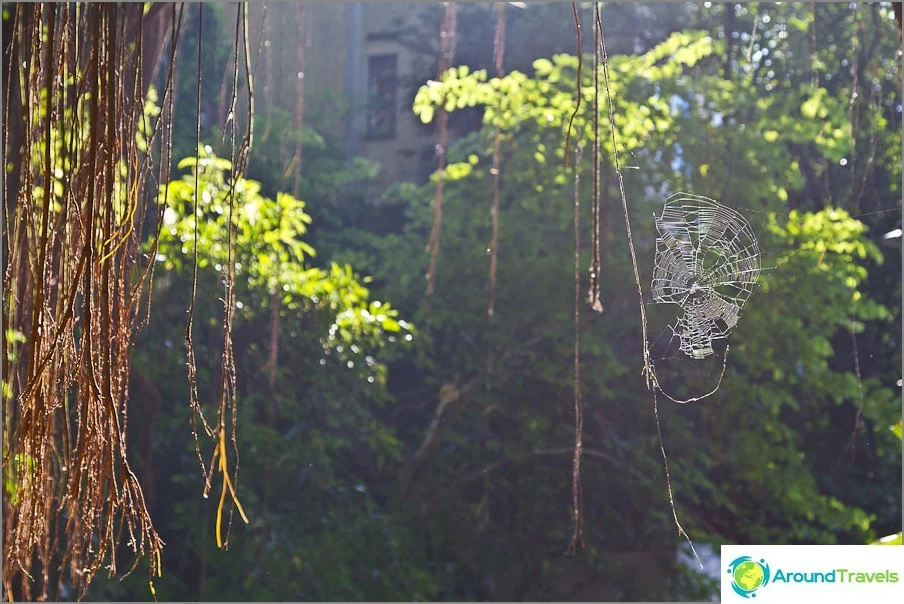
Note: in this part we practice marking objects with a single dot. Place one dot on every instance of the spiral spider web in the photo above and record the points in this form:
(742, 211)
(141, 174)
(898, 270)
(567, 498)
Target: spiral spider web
(707, 262)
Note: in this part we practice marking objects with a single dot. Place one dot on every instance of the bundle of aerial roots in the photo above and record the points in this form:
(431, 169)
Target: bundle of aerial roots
(85, 162)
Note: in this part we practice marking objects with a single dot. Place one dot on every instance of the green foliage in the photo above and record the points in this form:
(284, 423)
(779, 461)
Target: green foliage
(794, 448)
(298, 438)
(325, 173)
(892, 539)
(790, 394)
(896, 430)
(270, 256)
(787, 382)
(271, 228)
(19, 464)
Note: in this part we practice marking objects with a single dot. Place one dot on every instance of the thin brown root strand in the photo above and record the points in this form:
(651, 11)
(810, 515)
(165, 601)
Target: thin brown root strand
(577, 106)
(668, 483)
(498, 52)
(448, 32)
(648, 369)
(577, 536)
(593, 296)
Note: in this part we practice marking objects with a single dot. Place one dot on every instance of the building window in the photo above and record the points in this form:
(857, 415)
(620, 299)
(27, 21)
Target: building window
(381, 87)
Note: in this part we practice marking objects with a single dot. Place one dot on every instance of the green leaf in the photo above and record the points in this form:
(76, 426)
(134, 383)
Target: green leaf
(542, 66)
(889, 540)
(811, 107)
(186, 162)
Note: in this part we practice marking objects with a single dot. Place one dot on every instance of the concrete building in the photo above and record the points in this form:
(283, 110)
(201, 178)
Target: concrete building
(361, 66)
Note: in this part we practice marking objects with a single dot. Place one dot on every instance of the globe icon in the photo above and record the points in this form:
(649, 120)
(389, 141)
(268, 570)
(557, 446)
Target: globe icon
(748, 575)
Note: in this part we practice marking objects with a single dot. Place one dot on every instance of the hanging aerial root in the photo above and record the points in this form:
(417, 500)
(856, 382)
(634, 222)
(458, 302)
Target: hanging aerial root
(668, 481)
(220, 452)
(194, 402)
(577, 493)
(498, 52)
(596, 265)
(577, 104)
(71, 277)
(649, 373)
(448, 32)
(226, 404)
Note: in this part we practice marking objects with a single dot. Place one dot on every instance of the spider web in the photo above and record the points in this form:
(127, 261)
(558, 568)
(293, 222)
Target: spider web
(707, 263)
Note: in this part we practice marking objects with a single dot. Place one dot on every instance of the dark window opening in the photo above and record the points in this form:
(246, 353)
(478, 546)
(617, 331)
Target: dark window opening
(381, 87)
